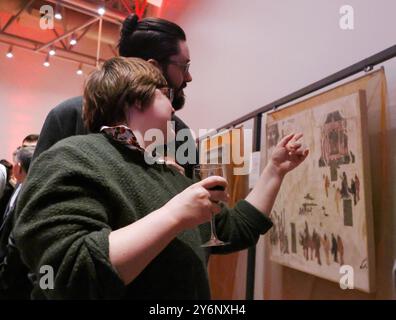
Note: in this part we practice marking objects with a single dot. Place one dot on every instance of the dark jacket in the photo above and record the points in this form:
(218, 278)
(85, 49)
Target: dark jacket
(14, 281)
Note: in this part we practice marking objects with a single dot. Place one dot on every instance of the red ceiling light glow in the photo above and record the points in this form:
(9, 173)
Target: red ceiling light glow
(126, 6)
(139, 8)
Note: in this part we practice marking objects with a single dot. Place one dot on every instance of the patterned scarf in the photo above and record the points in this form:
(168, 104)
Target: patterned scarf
(123, 135)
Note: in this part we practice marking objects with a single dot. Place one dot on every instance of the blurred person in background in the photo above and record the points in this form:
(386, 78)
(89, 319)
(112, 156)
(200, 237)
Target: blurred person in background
(14, 281)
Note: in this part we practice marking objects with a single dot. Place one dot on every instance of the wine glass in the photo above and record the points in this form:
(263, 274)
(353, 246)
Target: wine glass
(201, 172)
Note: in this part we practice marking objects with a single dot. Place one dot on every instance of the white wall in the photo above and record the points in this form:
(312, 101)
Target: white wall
(246, 54)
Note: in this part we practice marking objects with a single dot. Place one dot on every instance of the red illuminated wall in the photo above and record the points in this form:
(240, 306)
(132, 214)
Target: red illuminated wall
(28, 91)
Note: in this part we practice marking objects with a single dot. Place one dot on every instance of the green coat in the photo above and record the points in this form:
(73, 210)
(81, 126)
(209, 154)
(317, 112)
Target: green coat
(84, 187)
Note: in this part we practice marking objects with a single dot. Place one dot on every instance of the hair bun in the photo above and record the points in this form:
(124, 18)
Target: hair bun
(129, 25)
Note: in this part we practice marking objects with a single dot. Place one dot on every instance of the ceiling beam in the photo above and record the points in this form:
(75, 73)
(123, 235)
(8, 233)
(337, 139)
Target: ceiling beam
(31, 45)
(115, 53)
(91, 9)
(99, 43)
(58, 56)
(65, 35)
(61, 41)
(125, 4)
(84, 33)
(12, 19)
(80, 36)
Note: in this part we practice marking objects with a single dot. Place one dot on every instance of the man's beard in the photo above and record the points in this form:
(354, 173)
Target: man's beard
(179, 100)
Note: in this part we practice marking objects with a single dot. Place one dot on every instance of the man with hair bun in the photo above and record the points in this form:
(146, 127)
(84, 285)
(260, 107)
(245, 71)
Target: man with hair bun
(158, 41)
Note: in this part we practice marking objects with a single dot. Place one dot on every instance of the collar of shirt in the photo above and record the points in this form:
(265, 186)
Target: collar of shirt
(123, 135)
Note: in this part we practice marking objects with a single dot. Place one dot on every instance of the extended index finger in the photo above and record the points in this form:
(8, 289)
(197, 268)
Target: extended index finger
(286, 139)
(297, 136)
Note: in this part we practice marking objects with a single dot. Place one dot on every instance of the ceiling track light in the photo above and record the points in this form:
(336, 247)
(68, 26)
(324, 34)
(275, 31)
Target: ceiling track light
(52, 51)
(9, 53)
(101, 11)
(102, 8)
(73, 40)
(46, 62)
(58, 11)
(79, 70)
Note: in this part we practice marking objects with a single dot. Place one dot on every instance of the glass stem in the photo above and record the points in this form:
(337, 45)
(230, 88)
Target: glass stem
(213, 228)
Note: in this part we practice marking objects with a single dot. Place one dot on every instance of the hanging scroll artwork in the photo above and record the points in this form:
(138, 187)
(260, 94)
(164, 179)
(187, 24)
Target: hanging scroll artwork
(323, 212)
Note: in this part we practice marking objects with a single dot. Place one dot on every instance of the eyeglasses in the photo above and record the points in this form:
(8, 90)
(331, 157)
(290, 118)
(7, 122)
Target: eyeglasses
(168, 92)
(184, 66)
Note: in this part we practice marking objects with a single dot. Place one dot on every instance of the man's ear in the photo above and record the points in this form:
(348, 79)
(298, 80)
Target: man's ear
(155, 63)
